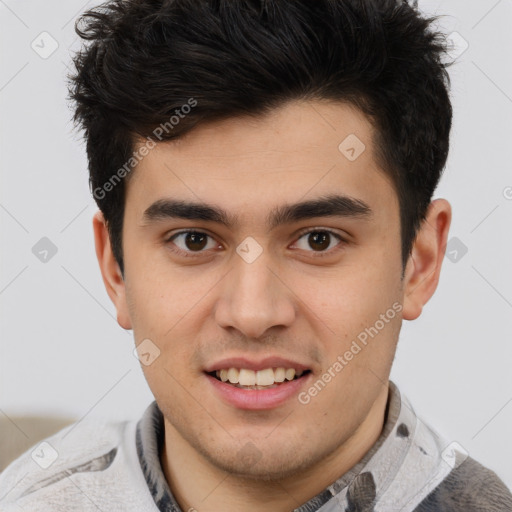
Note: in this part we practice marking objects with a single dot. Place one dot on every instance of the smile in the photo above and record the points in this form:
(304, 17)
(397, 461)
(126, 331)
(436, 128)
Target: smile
(262, 379)
(259, 388)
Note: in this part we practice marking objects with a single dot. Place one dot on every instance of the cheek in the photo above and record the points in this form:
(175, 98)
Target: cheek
(165, 310)
(360, 306)
(157, 298)
(353, 296)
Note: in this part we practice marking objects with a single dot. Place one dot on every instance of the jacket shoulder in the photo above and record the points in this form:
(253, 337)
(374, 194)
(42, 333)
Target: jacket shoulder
(470, 486)
(43, 471)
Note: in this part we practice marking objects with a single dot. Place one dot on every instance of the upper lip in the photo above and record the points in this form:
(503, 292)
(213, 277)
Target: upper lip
(252, 364)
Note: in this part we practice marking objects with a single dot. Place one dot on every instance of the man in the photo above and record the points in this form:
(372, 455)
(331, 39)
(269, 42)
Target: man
(264, 172)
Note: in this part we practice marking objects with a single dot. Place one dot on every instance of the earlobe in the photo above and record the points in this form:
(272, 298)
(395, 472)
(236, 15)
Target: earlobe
(424, 265)
(110, 271)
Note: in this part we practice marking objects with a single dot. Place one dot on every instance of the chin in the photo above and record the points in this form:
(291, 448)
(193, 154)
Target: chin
(252, 464)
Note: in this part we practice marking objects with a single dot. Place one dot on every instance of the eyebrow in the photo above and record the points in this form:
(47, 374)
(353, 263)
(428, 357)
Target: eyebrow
(328, 206)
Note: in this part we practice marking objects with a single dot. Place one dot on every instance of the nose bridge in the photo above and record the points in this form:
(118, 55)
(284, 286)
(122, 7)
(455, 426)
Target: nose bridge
(253, 299)
(252, 284)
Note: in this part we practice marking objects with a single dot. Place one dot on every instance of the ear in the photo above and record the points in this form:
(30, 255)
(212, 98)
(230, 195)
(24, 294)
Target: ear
(424, 264)
(110, 271)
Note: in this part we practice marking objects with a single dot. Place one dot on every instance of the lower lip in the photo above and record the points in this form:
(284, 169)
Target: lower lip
(258, 399)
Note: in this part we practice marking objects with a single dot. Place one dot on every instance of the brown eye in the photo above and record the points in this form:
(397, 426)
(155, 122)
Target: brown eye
(192, 241)
(319, 240)
(195, 241)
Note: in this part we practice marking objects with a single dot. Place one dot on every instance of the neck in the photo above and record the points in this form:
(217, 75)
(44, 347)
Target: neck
(198, 485)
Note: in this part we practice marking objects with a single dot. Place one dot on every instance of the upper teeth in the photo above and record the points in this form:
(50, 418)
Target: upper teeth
(265, 377)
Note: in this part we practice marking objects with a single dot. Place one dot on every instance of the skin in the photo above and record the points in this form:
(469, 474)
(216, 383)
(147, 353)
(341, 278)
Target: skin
(288, 302)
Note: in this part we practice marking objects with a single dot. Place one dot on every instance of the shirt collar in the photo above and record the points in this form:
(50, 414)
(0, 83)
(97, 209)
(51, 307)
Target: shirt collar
(150, 440)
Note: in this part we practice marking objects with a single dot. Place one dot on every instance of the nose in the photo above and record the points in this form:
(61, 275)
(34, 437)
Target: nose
(254, 299)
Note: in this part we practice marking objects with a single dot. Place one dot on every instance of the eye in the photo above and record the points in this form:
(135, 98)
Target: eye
(319, 240)
(193, 243)
(189, 242)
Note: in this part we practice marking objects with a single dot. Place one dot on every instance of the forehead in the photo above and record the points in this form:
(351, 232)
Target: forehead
(301, 151)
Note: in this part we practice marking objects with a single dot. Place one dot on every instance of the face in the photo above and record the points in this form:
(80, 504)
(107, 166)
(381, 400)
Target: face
(257, 282)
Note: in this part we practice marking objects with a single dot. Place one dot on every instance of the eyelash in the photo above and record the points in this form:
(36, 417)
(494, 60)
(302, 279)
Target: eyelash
(316, 254)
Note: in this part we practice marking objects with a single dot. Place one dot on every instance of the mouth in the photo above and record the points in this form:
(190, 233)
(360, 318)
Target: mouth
(268, 378)
(264, 384)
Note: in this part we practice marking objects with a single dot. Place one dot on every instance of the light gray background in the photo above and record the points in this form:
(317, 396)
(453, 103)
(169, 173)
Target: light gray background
(62, 350)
